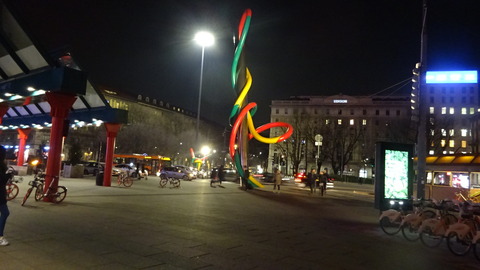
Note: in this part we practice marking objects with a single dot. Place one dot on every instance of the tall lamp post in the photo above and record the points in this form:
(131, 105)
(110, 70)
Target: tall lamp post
(204, 39)
(318, 143)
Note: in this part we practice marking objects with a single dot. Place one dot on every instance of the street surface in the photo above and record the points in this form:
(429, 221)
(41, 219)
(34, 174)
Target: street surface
(199, 227)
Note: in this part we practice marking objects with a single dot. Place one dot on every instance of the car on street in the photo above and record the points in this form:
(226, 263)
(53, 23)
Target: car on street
(176, 172)
(130, 170)
(300, 177)
(91, 168)
(190, 172)
(265, 177)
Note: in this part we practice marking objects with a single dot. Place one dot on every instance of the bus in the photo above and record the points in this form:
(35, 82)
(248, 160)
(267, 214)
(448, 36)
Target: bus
(143, 162)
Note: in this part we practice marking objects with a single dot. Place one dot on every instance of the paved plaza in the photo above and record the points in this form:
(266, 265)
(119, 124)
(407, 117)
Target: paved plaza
(200, 227)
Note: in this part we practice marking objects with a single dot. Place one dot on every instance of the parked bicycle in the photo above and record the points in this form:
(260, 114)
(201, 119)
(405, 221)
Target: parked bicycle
(37, 184)
(432, 230)
(407, 219)
(460, 235)
(11, 186)
(124, 179)
(173, 181)
(54, 194)
(391, 220)
(412, 222)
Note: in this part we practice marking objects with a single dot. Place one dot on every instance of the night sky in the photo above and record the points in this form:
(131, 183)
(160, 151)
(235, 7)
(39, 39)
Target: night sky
(317, 47)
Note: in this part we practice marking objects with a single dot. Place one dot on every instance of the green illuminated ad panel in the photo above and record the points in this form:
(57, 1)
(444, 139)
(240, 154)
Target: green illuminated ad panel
(396, 174)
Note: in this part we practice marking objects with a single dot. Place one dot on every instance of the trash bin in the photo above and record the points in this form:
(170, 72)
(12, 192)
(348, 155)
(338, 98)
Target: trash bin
(99, 179)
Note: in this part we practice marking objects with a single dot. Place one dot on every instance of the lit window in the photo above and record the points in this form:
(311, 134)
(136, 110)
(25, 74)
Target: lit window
(364, 122)
(451, 143)
(464, 110)
(464, 132)
(339, 121)
(444, 132)
(327, 121)
(452, 110)
(444, 110)
(352, 122)
(432, 132)
(472, 110)
(464, 144)
(432, 110)
(442, 143)
(451, 132)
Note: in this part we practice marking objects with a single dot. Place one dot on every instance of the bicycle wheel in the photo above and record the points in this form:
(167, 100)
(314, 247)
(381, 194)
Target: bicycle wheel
(39, 192)
(128, 181)
(390, 227)
(27, 195)
(457, 245)
(163, 182)
(429, 239)
(59, 195)
(476, 250)
(410, 231)
(12, 191)
(176, 183)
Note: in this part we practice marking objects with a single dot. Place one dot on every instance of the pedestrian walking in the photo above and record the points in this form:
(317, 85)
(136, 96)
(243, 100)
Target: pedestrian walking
(312, 179)
(221, 174)
(246, 175)
(4, 212)
(323, 182)
(277, 180)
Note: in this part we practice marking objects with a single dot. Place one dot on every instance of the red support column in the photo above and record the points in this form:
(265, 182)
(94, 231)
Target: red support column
(60, 106)
(23, 136)
(112, 131)
(3, 110)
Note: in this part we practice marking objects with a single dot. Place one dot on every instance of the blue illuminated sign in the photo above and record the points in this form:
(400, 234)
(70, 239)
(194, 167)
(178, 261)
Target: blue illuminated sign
(464, 76)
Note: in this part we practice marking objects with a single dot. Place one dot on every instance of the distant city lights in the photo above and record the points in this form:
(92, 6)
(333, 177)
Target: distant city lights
(463, 76)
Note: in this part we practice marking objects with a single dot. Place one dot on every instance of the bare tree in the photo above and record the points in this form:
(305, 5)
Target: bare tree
(339, 143)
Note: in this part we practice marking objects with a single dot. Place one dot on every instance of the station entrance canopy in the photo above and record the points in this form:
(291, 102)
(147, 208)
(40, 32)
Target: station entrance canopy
(27, 73)
(47, 90)
(28, 107)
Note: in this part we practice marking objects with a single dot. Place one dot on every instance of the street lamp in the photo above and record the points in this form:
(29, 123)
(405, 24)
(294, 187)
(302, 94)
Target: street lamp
(318, 143)
(204, 39)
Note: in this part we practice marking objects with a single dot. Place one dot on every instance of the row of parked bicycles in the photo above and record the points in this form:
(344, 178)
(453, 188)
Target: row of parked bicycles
(54, 194)
(433, 222)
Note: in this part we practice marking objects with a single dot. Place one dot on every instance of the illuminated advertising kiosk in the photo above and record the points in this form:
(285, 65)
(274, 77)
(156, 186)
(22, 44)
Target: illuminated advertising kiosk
(393, 175)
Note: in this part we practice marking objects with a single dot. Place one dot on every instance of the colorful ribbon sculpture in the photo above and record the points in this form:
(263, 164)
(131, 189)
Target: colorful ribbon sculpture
(198, 161)
(249, 110)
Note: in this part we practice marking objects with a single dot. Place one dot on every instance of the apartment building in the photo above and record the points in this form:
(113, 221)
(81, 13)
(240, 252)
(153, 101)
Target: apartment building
(366, 119)
(453, 102)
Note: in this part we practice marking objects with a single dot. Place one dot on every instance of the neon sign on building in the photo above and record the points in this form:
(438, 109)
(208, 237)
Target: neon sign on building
(462, 76)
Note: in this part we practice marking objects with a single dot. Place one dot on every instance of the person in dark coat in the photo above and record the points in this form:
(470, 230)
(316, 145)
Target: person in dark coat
(4, 212)
(221, 174)
(312, 179)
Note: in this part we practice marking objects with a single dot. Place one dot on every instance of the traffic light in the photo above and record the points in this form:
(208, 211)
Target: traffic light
(414, 96)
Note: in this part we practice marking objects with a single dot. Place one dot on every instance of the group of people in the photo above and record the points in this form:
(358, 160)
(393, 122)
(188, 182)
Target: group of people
(313, 178)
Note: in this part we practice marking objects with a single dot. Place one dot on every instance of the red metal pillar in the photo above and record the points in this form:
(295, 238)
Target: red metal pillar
(23, 136)
(3, 110)
(60, 106)
(112, 131)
